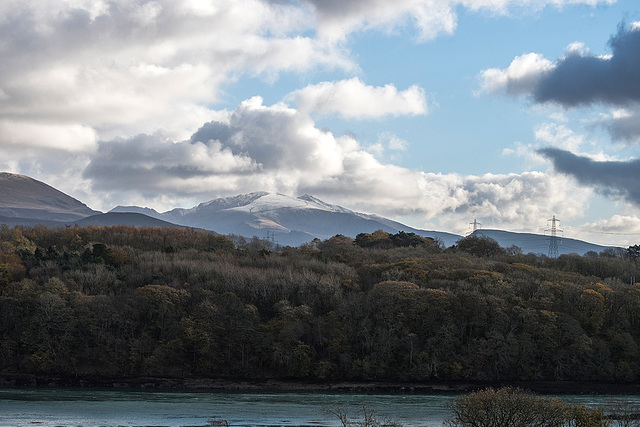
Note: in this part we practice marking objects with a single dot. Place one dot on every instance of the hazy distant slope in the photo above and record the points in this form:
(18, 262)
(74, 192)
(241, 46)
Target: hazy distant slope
(24, 197)
(448, 239)
(539, 244)
(136, 209)
(124, 218)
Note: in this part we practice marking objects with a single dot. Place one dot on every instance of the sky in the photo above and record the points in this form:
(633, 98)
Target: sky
(434, 113)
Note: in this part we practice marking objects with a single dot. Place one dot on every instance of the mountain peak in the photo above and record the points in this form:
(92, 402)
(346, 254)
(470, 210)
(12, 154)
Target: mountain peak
(262, 201)
(232, 202)
(268, 202)
(24, 197)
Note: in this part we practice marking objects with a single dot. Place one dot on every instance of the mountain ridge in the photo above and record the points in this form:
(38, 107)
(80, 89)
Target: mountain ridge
(284, 219)
(290, 221)
(22, 196)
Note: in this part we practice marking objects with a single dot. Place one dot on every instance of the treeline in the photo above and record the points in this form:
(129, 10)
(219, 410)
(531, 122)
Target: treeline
(125, 301)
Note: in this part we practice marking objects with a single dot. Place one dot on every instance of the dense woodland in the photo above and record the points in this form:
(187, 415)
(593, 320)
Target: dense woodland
(122, 302)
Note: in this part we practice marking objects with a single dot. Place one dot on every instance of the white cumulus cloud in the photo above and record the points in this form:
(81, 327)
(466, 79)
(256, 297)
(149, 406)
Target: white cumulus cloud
(26, 136)
(519, 78)
(355, 100)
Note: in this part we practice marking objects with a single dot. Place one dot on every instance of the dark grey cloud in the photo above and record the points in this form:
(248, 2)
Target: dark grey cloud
(152, 163)
(625, 129)
(213, 131)
(580, 79)
(339, 7)
(612, 178)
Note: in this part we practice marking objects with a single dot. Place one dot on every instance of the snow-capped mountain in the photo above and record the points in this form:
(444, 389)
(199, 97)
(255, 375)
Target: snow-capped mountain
(296, 220)
(288, 220)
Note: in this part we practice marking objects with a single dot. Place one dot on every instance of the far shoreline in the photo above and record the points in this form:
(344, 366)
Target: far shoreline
(200, 384)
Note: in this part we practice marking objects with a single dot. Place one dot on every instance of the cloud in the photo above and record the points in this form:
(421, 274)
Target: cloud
(624, 229)
(278, 148)
(352, 99)
(612, 178)
(254, 147)
(582, 79)
(336, 19)
(152, 163)
(559, 136)
(393, 142)
(617, 224)
(521, 77)
(113, 90)
(25, 136)
(624, 125)
(578, 78)
(124, 67)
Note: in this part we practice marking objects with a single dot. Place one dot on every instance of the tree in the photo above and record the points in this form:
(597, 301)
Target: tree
(377, 239)
(407, 239)
(482, 247)
(369, 419)
(338, 247)
(634, 252)
(514, 407)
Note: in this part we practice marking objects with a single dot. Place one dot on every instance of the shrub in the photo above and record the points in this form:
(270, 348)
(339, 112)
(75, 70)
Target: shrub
(513, 407)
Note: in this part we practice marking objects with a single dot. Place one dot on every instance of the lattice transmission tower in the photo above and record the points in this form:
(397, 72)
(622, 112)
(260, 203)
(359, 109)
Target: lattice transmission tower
(553, 237)
(476, 225)
(271, 237)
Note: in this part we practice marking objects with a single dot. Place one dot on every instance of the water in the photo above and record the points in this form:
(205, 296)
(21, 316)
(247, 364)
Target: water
(112, 408)
(124, 408)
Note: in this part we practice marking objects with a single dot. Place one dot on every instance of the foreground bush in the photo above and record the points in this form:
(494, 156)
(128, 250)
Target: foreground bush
(513, 407)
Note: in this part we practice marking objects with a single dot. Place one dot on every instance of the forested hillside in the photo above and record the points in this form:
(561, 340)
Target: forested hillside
(123, 302)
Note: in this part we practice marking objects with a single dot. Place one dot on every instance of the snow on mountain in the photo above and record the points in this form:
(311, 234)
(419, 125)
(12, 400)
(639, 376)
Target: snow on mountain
(275, 201)
(320, 204)
(231, 202)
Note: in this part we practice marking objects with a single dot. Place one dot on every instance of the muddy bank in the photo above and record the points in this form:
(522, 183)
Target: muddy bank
(547, 387)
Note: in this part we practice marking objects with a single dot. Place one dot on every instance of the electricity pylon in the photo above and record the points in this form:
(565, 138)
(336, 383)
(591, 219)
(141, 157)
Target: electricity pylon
(475, 224)
(553, 239)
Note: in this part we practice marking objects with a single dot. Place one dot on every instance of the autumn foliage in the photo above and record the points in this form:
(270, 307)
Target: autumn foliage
(125, 301)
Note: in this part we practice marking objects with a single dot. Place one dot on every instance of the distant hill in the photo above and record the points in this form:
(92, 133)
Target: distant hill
(539, 244)
(288, 220)
(25, 198)
(124, 218)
